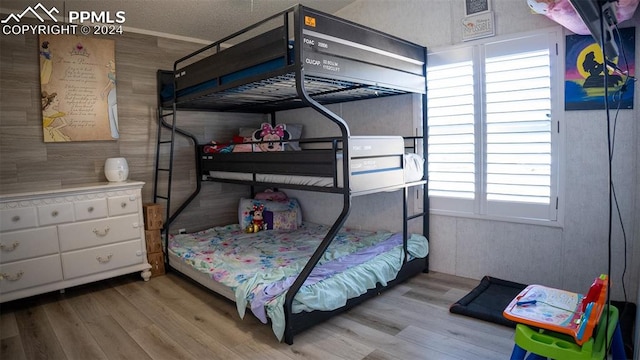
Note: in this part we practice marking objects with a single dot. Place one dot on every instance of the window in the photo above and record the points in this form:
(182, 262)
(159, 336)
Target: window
(493, 117)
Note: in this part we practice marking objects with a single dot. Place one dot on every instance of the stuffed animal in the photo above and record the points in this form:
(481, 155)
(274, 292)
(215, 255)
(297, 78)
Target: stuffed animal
(215, 147)
(257, 222)
(273, 137)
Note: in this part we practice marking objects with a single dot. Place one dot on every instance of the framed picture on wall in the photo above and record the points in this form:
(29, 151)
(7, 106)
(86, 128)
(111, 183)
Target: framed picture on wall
(584, 73)
(78, 88)
(472, 7)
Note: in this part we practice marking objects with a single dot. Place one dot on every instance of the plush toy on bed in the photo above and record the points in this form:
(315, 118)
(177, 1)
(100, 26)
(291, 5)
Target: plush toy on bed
(257, 221)
(274, 137)
(215, 147)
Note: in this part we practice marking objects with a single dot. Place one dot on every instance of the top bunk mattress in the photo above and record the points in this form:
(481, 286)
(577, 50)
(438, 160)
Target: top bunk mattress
(339, 60)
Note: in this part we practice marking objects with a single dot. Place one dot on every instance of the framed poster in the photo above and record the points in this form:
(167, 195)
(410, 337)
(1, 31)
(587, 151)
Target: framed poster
(584, 73)
(78, 88)
(478, 26)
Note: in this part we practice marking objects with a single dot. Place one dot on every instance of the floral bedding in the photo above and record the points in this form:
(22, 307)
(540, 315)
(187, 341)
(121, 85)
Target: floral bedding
(260, 267)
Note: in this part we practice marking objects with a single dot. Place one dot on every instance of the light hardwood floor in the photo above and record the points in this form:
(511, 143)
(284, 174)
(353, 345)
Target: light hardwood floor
(170, 317)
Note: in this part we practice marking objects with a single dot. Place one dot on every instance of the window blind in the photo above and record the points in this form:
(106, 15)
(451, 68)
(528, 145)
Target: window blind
(451, 130)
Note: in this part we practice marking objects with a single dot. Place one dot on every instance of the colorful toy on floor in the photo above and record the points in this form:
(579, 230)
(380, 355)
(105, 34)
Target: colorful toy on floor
(559, 310)
(562, 325)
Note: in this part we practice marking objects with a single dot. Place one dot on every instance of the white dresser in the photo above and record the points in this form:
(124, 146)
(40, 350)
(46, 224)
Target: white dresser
(52, 240)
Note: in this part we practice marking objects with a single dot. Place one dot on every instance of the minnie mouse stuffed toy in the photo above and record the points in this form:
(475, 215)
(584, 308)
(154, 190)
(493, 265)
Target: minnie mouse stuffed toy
(273, 137)
(257, 222)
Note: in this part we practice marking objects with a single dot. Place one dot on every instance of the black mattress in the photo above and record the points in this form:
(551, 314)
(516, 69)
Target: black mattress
(488, 300)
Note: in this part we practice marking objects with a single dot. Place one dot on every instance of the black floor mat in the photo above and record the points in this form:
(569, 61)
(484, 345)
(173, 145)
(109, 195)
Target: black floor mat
(488, 300)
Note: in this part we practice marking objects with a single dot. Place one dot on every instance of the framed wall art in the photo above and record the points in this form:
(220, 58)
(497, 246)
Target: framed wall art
(78, 88)
(584, 73)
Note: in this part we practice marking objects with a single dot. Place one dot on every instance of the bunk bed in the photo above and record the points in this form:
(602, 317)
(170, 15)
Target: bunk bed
(299, 58)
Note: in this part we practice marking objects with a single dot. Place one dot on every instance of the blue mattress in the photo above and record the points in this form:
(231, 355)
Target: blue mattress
(262, 68)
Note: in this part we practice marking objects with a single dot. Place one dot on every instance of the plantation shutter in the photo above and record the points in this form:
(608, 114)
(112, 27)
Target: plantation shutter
(519, 129)
(493, 127)
(451, 122)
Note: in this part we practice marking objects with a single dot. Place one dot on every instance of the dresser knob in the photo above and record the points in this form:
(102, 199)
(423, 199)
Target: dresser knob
(123, 205)
(90, 209)
(54, 213)
(12, 247)
(16, 277)
(101, 233)
(104, 260)
(15, 218)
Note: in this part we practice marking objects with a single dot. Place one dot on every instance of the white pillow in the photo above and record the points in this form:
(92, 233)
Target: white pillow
(413, 167)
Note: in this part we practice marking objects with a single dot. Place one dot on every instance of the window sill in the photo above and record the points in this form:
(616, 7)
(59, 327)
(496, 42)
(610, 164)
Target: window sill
(538, 222)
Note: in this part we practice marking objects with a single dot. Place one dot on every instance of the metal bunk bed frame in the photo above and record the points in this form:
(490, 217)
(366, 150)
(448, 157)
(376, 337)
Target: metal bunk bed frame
(295, 323)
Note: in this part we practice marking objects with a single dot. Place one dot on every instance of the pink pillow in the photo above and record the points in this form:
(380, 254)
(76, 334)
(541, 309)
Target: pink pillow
(272, 195)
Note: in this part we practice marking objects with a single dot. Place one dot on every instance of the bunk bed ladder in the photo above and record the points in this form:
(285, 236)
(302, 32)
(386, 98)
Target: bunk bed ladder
(168, 168)
(162, 144)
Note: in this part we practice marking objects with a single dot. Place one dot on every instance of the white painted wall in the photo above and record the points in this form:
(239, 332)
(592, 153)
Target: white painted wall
(569, 256)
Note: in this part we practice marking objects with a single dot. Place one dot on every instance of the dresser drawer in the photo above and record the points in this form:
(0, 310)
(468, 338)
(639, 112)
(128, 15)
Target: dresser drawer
(55, 214)
(103, 258)
(24, 244)
(120, 205)
(91, 209)
(88, 233)
(18, 218)
(98, 232)
(28, 273)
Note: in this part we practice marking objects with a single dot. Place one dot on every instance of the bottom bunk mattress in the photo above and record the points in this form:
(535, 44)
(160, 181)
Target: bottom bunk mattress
(256, 269)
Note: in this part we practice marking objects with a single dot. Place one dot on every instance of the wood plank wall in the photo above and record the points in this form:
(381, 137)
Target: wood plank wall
(29, 164)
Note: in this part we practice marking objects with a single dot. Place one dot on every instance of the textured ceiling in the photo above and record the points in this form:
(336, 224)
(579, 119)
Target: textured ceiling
(199, 19)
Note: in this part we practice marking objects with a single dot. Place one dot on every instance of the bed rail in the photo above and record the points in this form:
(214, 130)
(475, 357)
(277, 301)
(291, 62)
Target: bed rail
(306, 162)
